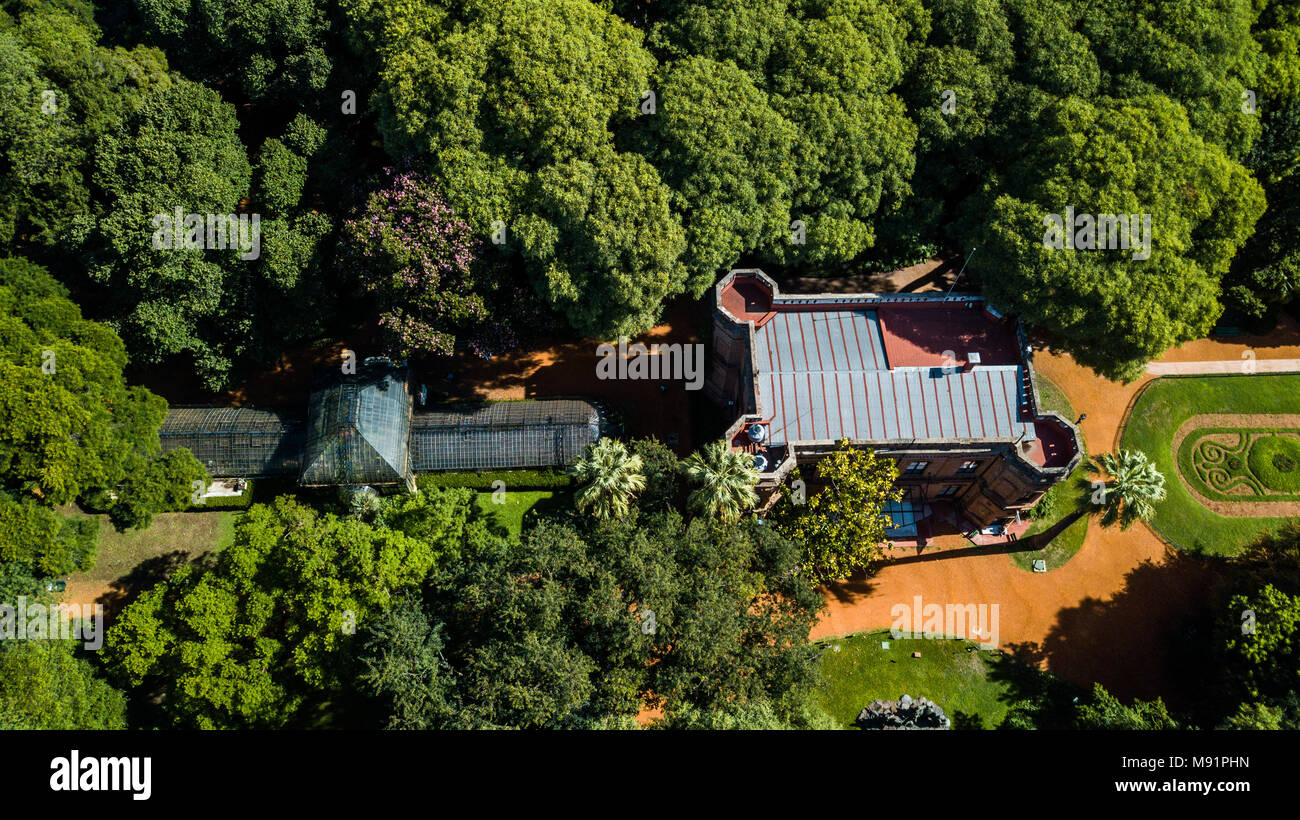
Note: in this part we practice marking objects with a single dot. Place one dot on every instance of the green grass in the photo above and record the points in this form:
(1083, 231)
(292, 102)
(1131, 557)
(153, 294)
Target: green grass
(1060, 500)
(1265, 461)
(510, 514)
(1273, 460)
(947, 673)
(154, 551)
(511, 479)
(1050, 397)
(1064, 546)
(1163, 407)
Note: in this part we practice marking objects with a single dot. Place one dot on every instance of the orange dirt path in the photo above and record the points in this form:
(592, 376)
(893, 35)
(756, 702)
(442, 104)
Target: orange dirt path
(1106, 614)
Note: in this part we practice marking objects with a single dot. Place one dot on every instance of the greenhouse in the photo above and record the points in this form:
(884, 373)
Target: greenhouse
(364, 429)
(237, 441)
(503, 435)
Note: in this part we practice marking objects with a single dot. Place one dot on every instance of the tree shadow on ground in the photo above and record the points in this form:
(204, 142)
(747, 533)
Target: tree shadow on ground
(965, 721)
(859, 585)
(1132, 642)
(142, 576)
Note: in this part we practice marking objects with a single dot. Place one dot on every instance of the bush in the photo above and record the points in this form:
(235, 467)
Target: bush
(225, 502)
(1273, 460)
(1045, 509)
(513, 480)
(258, 491)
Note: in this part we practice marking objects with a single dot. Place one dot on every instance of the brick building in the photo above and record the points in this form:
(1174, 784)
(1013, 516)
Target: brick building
(944, 385)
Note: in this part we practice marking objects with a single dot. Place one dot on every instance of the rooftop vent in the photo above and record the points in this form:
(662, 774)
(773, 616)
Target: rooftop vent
(760, 463)
(757, 433)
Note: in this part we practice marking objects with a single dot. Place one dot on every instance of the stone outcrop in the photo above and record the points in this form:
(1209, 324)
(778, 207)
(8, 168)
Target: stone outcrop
(904, 713)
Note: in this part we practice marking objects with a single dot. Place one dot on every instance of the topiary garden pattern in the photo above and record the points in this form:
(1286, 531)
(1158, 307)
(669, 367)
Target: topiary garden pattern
(1226, 464)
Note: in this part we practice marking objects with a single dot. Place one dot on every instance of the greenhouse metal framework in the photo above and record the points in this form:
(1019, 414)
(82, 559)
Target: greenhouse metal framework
(363, 428)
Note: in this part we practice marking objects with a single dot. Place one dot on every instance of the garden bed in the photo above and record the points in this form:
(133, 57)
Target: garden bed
(1166, 423)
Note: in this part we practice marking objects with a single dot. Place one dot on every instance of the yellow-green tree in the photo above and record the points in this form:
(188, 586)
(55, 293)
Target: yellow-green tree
(842, 526)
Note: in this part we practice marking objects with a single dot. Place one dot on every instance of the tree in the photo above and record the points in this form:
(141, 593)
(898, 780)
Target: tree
(404, 668)
(59, 92)
(266, 631)
(45, 685)
(43, 541)
(609, 242)
(171, 302)
(758, 77)
(72, 429)
(261, 52)
(726, 478)
(1258, 644)
(1110, 306)
(842, 527)
(580, 625)
(749, 717)
(1266, 715)
(1105, 711)
(832, 77)
(1132, 488)
(410, 249)
(154, 485)
(1255, 656)
(729, 158)
(513, 105)
(662, 470)
(611, 477)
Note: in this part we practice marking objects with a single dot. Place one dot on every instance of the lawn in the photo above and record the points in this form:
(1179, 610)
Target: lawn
(1163, 407)
(514, 506)
(143, 556)
(948, 673)
(1060, 500)
(1241, 464)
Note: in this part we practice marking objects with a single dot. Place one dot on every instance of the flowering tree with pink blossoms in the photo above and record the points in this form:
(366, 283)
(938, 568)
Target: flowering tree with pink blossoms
(409, 248)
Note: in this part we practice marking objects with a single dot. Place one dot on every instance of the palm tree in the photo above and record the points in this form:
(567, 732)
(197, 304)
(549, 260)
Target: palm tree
(726, 478)
(612, 476)
(1134, 486)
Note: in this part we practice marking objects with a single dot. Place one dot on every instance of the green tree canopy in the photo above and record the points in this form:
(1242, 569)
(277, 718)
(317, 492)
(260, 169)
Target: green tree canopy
(45, 685)
(267, 629)
(72, 427)
(1112, 311)
(841, 527)
(579, 629)
(513, 104)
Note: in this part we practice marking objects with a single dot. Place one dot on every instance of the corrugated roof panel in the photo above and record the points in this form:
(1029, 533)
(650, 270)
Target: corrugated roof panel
(762, 352)
(794, 342)
(836, 425)
(844, 358)
(895, 405)
(874, 340)
(822, 340)
(933, 427)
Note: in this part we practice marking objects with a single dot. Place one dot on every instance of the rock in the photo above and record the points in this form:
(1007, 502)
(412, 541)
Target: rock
(904, 713)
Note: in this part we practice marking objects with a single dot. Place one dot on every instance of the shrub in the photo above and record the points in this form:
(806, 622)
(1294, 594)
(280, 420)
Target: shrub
(512, 479)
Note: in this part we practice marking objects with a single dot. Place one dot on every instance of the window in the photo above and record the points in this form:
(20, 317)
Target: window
(968, 466)
(948, 491)
(916, 467)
